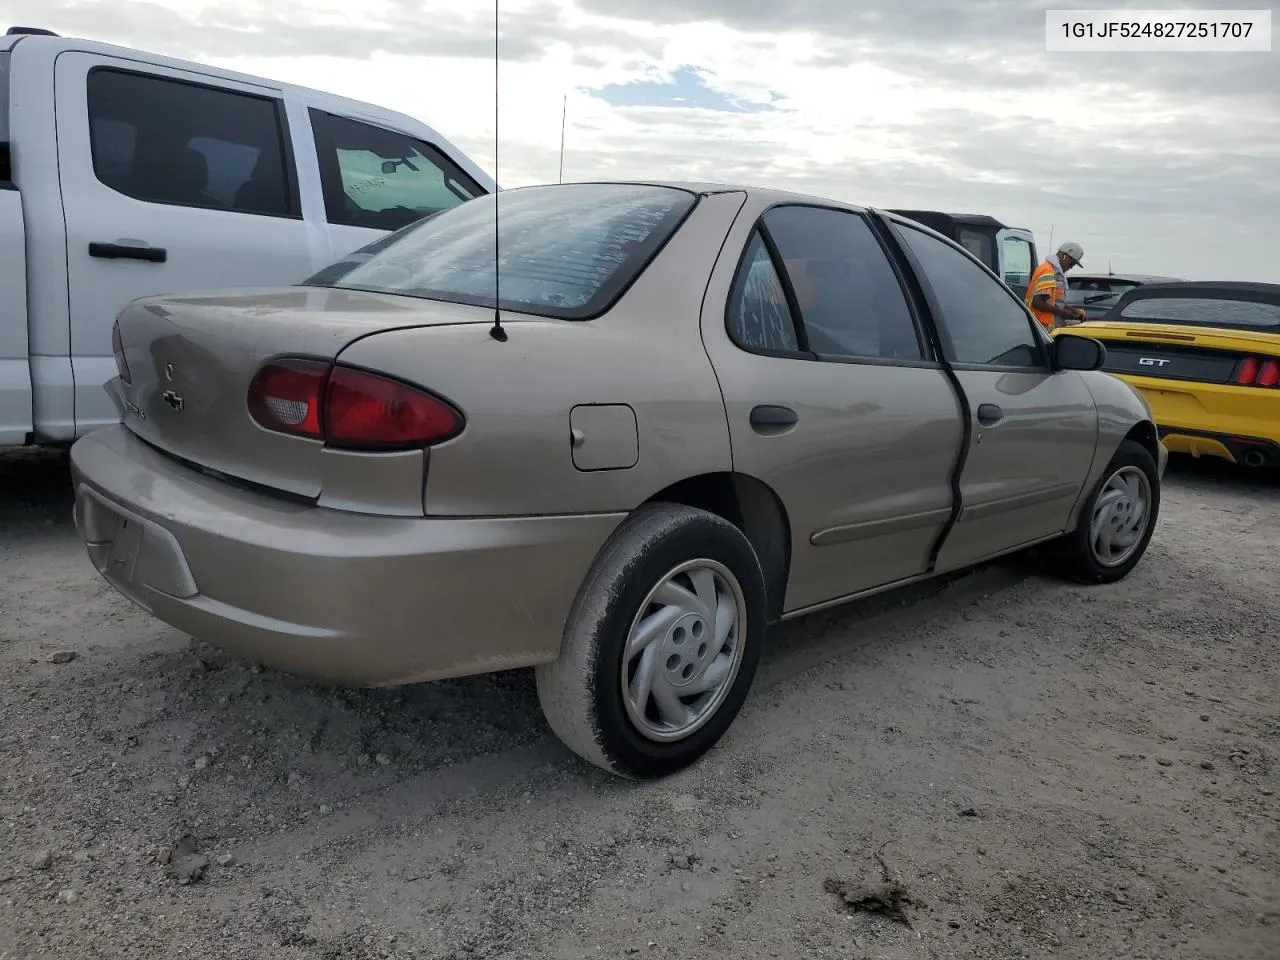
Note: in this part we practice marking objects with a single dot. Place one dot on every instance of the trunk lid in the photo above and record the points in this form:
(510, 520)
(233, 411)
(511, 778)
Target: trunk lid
(192, 358)
(1176, 352)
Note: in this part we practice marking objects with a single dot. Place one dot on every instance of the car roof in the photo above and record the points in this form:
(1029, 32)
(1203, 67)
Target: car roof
(952, 219)
(1134, 277)
(1218, 289)
(763, 195)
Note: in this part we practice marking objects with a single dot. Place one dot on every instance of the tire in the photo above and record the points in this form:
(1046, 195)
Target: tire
(1077, 556)
(582, 692)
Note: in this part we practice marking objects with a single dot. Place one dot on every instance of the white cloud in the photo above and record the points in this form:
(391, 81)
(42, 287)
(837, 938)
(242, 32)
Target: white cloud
(1146, 168)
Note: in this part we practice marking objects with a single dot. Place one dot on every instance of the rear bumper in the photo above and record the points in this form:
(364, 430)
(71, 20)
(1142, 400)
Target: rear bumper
(335, 596)
(1250, 451)
(1239, 424)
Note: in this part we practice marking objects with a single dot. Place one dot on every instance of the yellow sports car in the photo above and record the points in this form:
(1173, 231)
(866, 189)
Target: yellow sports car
(1207, 358)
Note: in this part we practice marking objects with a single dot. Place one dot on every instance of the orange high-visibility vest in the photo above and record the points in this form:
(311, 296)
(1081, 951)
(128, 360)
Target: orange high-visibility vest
(1045, 280)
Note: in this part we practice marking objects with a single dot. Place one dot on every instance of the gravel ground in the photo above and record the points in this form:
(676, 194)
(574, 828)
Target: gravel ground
(1001, 767)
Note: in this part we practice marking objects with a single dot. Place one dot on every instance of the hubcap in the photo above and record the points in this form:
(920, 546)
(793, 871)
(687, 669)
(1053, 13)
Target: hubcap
(683, 650)
(1120, 516)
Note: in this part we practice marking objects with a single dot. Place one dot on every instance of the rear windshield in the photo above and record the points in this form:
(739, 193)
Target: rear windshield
(568, 251)
(1205, 311)
(1097, 292)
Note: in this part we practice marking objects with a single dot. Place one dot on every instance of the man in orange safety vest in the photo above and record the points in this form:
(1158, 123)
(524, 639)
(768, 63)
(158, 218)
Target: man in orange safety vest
(1047, 290)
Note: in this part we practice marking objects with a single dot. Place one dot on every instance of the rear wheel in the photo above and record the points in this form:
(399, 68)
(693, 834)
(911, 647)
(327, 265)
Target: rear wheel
(1116, 523)
(661, 646)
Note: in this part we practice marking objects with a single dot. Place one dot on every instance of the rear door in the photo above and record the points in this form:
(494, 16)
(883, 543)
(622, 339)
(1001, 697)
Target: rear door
(1032, 432)
(376, 179)
(833, 397)
(15, 367)
(172, 181)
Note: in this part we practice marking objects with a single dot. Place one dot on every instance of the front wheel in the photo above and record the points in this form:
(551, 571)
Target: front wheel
(1116, 523)
(661, 645)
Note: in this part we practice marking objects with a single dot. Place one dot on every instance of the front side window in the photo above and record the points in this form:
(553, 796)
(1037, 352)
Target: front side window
(566, 251)
(381, 179)
(172, 142)
(850, 301)
(983, 321)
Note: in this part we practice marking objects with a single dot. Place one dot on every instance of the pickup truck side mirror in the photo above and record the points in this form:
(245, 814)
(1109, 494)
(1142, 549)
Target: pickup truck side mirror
(1074, 352)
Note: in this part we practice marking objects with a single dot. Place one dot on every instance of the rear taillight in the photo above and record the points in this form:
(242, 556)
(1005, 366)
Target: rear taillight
(366, 411)
(286, 396)
(348, 408)
(1252, 372)
(1269, 375)
(117, 348)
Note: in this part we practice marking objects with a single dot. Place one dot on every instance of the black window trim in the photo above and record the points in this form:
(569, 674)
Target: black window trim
(292, 192)
(896, 224)
(331, 173)
(926, 342)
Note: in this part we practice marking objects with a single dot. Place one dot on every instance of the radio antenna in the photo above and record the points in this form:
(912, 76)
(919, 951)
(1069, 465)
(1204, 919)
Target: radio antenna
(496, 330)
(564, 115)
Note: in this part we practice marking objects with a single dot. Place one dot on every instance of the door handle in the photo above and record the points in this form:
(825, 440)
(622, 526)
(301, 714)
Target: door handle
(772, 418)
(124, 251)
(989, 414)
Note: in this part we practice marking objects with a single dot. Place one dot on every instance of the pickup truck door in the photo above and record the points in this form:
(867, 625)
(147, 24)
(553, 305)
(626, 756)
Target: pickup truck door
(172, 181)
(15, 367)
(1016, 248)
(1032, 432)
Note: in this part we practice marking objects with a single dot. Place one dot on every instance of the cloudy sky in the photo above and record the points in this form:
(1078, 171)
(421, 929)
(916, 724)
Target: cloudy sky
(1158, 163)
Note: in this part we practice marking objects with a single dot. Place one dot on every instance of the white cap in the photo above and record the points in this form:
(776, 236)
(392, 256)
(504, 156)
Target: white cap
(1073, 250)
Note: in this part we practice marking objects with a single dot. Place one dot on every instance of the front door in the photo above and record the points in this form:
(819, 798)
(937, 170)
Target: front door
(832, 397)
(1032, 431)
(1017, 258)
(172, 181)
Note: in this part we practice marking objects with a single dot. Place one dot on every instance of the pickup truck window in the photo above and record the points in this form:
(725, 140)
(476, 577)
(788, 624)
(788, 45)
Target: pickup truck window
(1017, 262)
(184, 144)
(6, 173)
(381, 179)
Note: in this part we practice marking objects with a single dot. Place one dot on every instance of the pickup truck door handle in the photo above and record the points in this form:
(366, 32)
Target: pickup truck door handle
(989, 414)
(124, 251)
(771, 418)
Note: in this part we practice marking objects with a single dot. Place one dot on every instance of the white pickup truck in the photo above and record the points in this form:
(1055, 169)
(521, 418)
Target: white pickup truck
(124, 174)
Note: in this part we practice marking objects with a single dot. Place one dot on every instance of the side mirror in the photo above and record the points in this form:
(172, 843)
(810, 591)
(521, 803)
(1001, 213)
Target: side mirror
(1074, 352)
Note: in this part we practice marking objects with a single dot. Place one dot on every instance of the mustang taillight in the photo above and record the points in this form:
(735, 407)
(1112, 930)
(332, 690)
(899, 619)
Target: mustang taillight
(348, 408)
(1252, 372)
(117, 349)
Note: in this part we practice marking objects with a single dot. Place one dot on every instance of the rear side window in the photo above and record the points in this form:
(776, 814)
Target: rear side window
(183, 144)
(1205, 311)
(6, 171)
(381, 179)
(850, 301)
(759, 318)
(567, 251)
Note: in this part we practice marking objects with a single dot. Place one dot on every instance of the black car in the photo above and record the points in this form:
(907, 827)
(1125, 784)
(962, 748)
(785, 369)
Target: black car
(1097, 293)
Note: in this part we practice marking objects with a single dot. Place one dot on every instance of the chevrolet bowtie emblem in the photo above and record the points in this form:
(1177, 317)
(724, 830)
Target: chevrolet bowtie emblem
(172, 399)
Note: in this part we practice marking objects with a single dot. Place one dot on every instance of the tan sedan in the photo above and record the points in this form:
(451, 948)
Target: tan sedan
(700, 410)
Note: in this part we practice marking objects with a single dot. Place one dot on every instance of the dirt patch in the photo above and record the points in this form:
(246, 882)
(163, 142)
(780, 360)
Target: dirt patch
(1066, 772)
